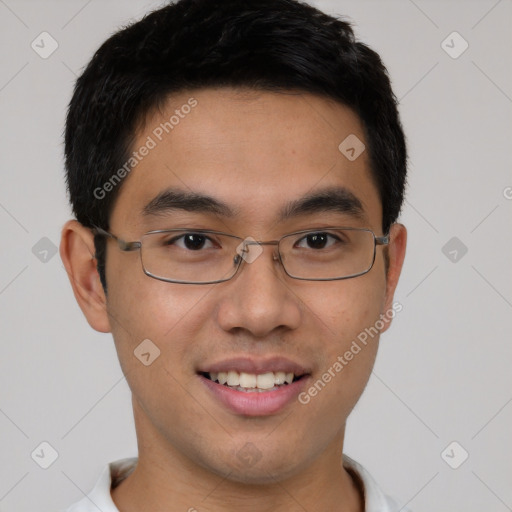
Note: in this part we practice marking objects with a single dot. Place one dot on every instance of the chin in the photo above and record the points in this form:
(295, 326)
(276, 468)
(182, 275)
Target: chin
(258, 476)
(250, 467)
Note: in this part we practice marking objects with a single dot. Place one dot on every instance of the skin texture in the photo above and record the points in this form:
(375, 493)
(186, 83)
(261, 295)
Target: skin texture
(255, 151)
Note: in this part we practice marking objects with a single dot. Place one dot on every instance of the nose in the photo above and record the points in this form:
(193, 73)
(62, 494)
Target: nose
(259, 299)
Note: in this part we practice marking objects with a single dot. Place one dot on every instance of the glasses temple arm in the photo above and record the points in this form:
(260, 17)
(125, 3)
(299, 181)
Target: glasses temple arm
(382, 240)
(123, 246)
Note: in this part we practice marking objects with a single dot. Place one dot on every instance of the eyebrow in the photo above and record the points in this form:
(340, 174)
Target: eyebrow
(331, 199)
(174, 200)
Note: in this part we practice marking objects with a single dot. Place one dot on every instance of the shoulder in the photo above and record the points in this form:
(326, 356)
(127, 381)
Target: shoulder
(374, 498)
(99, 498)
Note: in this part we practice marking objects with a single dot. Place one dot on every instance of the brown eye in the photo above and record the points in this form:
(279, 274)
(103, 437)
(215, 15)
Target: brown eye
(318, 240)
(190, 241)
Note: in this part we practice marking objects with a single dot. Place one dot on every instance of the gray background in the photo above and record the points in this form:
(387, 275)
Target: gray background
(443, 371)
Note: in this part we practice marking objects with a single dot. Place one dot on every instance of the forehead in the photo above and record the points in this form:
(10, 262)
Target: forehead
(254, 151)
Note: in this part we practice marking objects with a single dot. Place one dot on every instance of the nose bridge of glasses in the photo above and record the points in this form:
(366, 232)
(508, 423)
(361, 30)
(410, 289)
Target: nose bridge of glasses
(248, 241)
(249, 256)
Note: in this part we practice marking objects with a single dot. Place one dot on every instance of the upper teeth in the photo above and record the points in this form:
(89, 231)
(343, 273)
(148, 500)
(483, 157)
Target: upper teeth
(251, 380)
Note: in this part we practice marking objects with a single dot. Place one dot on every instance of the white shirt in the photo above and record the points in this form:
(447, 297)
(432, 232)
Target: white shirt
(100, 499)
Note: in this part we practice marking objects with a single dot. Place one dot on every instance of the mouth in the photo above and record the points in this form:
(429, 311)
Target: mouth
(251, 382)
(254, 388)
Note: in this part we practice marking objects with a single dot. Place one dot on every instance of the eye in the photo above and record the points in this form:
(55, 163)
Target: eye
(190, 241)
(319, 240)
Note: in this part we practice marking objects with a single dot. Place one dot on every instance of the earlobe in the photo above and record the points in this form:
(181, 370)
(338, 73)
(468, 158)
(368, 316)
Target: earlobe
(397, 248)
(77, 254)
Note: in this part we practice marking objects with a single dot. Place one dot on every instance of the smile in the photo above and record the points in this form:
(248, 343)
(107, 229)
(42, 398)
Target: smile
(251, 387)
(251, 382)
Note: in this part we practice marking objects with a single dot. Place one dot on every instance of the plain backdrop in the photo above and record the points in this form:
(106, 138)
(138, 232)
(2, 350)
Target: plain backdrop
(441, 390)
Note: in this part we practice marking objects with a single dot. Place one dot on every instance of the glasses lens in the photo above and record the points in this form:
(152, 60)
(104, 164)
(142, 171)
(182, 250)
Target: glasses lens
(328, 254)
(189, 256)
(205, 257)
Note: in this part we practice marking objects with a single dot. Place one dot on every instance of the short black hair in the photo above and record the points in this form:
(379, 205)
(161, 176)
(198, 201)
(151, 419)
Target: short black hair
(268, 45)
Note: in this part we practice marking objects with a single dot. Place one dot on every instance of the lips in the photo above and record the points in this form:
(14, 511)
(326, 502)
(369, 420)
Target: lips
(254, 387)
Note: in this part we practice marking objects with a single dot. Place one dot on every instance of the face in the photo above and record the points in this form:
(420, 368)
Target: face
(254, 152)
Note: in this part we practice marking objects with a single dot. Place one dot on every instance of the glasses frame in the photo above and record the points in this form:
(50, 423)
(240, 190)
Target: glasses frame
(237, 259)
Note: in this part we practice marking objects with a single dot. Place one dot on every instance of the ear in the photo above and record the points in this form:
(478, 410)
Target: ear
(396, 252)
(77, 253)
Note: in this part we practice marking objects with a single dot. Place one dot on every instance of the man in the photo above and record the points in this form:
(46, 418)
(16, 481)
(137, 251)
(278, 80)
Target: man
(236, 170)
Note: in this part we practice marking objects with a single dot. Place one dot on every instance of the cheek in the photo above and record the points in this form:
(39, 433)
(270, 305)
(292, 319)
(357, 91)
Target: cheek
(347, 308)
(155, 328)
(142, 308)
(346, 314)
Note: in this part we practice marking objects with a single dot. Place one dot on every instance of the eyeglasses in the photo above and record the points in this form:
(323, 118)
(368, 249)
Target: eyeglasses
(203, 256)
